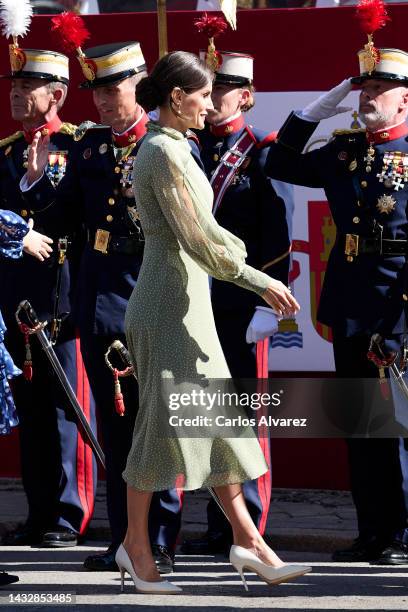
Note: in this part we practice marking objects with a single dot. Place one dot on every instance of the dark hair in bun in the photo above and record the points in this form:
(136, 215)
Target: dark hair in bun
(176, 69)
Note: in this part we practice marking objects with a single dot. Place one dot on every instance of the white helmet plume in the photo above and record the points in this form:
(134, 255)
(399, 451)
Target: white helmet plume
(15, 17)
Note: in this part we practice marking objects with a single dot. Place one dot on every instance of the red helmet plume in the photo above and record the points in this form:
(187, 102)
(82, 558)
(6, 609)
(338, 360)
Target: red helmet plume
(69, 30)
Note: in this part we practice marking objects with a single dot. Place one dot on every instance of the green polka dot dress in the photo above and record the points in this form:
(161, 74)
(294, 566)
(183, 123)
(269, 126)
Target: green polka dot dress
(169, 321)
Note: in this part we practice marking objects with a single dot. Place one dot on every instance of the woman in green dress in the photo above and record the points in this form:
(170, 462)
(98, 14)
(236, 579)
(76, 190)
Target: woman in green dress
(171, 333)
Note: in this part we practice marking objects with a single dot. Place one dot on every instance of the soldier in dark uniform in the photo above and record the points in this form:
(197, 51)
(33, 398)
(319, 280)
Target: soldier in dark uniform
(364, 176)
(58, 470)
(245, 203)
(100, 179)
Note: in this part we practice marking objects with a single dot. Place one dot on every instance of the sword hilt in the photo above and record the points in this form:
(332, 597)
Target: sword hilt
(123, 352)
(34, 323)
(124, 355)
(381, 359)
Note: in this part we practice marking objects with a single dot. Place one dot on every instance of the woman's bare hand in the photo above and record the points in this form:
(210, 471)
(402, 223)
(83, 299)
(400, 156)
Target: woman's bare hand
(37, 157)
(279, 297)
(36, 244)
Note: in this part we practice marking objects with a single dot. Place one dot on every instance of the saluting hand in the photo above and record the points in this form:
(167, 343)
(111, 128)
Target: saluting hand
(37, 157)
(328, 104)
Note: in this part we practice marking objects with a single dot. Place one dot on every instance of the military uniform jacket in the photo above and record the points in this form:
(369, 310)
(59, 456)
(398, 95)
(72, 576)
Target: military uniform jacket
(362, 293)
(251, 210)
(98, 184)
(28, 278)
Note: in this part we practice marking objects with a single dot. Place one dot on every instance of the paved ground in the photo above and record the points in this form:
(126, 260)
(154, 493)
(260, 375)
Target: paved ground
(311, 521)
(209, 583)
(301, 519)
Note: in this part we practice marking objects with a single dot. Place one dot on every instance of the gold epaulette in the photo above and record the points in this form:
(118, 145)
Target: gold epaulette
(347, 132)
(68, 128)
(5, 141)
(84, 127)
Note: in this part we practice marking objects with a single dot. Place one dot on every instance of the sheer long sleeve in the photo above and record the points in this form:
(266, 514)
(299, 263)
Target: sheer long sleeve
(12, 231)
(185, 207)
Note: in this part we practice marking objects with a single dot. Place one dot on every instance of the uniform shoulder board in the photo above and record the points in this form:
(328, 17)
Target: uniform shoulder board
(265, 142)
(68, 128)
(348, 132)
(6, 141)
(85, 126)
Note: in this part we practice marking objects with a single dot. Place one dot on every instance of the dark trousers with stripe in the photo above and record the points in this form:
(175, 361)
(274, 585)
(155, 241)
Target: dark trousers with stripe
(58, 467)
(117, 431)
(231, 328)
(378, 467)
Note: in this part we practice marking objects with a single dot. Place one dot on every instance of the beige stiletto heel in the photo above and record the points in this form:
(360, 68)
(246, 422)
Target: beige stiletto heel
(242, 558)
(142, 586)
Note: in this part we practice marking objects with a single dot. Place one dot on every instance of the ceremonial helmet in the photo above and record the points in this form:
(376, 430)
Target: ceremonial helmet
(386, 63)
(111, 63)
(391, 65)
(233, 68)
(15, 18)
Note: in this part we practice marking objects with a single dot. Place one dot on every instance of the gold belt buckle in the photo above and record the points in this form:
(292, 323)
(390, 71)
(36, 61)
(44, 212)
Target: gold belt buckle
(102, 238)
(351, 246)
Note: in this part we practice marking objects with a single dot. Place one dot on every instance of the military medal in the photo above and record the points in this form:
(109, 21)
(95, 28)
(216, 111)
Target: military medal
(342, 156)
(87, 153)
(57, 165)
(133, 214)
(135, 219)
(369, 158)
(353, 165)
(103, 148)
(386, 204)
(126, 180)
(394, 173)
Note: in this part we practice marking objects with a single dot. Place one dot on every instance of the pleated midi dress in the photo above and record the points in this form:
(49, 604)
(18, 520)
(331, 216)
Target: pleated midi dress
(169, 322)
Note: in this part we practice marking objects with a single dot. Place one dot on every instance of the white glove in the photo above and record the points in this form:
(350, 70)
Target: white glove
(263, 324)
(327, 104)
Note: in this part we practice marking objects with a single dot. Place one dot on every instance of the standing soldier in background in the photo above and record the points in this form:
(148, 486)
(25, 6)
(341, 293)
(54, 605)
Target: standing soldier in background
(58, 469)
(363, 173)
(246, 204)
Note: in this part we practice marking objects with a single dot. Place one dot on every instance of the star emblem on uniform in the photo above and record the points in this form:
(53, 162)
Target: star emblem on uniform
(386, 204)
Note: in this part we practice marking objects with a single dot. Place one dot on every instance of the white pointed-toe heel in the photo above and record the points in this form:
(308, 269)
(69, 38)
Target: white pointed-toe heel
(242, 558)
(142, 586)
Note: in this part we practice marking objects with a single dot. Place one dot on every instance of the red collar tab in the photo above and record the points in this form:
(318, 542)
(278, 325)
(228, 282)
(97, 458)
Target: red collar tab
(49, 128)
(271, 137)
(226, 129)
(132, 135)
(393, 133)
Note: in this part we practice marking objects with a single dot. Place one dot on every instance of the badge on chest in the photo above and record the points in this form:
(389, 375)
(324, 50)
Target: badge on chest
(124, 168)
(56, 167)
(394, 173)
(126, 179)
